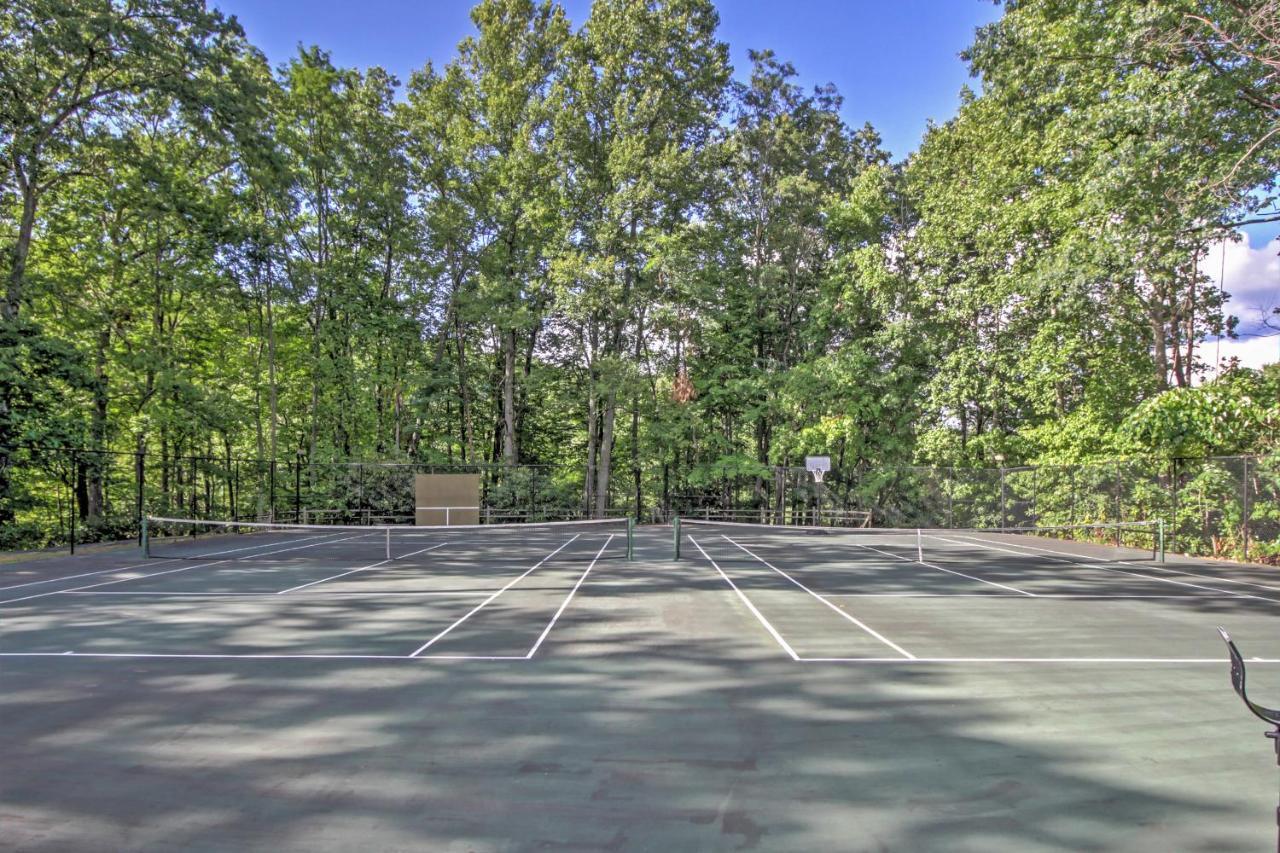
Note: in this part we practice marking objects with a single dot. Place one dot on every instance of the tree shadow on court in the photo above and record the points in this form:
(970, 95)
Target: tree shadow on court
(659, 715)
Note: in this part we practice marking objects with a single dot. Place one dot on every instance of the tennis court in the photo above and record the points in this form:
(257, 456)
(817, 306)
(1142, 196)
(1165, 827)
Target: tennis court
(530, 687)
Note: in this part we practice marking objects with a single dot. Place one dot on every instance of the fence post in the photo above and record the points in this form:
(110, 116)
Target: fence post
(1035, 496)
(271, 508)
(140, 479)
(72, 502)
(1173, 485)
(1244, 506)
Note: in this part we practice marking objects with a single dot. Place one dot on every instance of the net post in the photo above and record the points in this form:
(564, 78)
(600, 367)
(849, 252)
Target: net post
(919, 546)
(675, 526)
(144, 536)
(387, 537)
(631, 538)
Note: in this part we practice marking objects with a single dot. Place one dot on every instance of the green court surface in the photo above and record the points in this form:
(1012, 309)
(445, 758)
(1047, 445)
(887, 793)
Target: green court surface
(538, 691)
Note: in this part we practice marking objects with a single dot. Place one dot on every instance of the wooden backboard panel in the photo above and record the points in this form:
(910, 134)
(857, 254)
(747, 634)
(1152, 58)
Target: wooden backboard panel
(446, 499)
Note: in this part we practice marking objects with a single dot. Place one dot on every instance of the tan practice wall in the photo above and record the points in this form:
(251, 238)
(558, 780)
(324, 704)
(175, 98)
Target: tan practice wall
(442, 499)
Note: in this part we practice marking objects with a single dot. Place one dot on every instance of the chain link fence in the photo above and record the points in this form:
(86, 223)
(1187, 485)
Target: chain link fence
(1225, 507)
(63, 497)
(1221, 507)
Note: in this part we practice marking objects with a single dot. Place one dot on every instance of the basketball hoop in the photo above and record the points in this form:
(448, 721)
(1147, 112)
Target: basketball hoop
(818, 466)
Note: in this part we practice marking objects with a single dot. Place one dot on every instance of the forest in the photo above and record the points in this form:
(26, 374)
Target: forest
(596, 251)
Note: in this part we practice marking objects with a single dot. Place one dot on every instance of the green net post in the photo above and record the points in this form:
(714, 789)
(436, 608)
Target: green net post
(675, 526)
(146, 538)
(631, 538)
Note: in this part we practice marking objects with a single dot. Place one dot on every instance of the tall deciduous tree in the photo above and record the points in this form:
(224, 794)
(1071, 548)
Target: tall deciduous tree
(637, 107)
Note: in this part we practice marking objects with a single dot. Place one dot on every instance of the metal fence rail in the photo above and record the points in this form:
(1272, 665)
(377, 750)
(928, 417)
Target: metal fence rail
(1221, 506)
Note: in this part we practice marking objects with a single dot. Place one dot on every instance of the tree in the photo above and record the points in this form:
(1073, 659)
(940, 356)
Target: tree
(637, 105)
(69, 72)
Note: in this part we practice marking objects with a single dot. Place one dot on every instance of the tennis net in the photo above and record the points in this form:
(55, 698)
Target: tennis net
(198, 539)
(1125, 540)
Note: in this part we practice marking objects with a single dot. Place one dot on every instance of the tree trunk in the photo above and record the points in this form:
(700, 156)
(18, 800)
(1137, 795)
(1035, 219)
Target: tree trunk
(464, 394)
(509, 449)
(97, 427)
(9, 309)
(604, 468)
(271, 370)
(1158, 341)
(588, 498)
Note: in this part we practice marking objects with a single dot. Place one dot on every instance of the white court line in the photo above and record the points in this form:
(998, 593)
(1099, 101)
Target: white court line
(763, 621)
(82, 575)
(1162, 568)
(984, 543)
(140, 565)
(568, 598)
(197, 565)
(369, 567)
(203, 554)
(429, 643)
(864, 626)
(949, 571)
(249, 656)
(1102, 596)
(474, 593)
(1216, 661)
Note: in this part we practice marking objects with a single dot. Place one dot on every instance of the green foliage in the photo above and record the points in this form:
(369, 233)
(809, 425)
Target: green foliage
(533, 254)
(1236, 414)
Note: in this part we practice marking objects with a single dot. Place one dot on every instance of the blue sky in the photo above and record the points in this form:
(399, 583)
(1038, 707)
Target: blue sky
(896, 63)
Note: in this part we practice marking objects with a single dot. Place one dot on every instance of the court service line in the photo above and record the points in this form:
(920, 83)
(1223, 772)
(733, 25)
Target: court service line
(1215, 661)
(249, 656)
(1107, 568)
(568, 598)
(473, 611)
(995, 596)
(140, 565)
(763, 621)
(131, 566)
(864, 626)
(473, 593)
(367, 568)
(1161, 568)
(197, 565)
(258, 545)
(81, 575)
(948, 571)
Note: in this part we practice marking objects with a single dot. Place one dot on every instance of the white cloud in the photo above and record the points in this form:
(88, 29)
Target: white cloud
(1252, 351)
(1251, 278)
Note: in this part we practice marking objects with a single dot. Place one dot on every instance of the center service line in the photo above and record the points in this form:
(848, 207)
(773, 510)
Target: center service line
(949, 571)
(568, 598)
(361, 569)
(763, 621)
(473, 611)
(873, 632)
